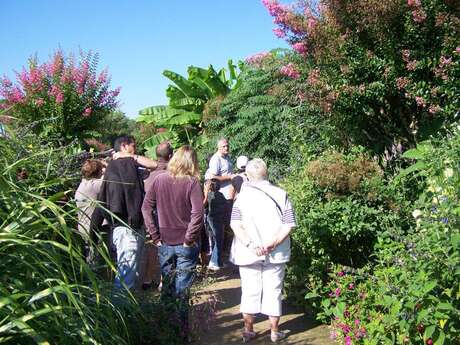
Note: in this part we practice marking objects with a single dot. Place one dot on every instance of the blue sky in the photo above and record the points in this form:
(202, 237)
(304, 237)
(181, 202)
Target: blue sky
(136, 39)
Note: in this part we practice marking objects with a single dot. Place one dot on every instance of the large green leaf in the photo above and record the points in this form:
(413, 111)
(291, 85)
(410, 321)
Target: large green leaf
(215, 83)
(158, 138)
(185, 85)
(184, 118)
(158, 114)
(232, 70)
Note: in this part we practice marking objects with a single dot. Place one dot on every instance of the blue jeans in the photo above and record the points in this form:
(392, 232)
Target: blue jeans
(128, 244)
(177, 264)
(216, 225)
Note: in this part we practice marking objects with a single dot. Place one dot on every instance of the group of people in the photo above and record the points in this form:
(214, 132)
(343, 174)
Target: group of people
(133, 198)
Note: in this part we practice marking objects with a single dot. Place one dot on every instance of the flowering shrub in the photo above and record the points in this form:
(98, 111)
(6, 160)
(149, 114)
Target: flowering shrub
(383, 71)
(61, 99)
(343, 205)
(410, 292)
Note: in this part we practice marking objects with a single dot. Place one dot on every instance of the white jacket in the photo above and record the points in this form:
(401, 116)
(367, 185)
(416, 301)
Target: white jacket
(262, 219)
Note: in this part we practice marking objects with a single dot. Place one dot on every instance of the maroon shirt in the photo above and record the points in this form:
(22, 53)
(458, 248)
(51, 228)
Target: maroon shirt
(179, 204)
(160, 169)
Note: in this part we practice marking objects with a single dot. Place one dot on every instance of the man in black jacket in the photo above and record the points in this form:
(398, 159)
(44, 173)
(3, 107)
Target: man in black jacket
(121, 197)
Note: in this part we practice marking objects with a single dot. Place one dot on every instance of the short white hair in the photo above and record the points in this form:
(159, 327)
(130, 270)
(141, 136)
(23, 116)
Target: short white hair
(256, 170)
(221, 141)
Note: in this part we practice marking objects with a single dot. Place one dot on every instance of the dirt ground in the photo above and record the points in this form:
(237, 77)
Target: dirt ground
(227, 326)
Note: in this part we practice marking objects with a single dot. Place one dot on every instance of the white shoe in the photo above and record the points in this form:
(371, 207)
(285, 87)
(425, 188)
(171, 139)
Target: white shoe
(213, 267)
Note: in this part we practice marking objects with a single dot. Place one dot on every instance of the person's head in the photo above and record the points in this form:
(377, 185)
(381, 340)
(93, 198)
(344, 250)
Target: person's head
(184, 163)
(125, 143)
(213, 185)
(164, 151)
(241, 163)
(256, 170)
(92, 168)
(223, 147)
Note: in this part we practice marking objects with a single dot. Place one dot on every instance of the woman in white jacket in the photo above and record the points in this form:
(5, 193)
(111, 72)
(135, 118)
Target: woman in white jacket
(262, 218)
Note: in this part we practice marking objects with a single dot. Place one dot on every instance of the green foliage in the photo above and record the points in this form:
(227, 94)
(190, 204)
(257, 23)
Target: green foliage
(343, 204)
(260, 122)
(411, 292)
(183, 116)
(48, 293)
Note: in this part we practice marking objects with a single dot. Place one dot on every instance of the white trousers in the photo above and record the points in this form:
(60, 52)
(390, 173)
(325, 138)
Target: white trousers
(261, 288)
(128, 245)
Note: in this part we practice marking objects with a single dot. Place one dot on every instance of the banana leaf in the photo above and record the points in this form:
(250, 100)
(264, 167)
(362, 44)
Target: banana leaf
(158, 138)
(183, 118)
(185, 85)
(157, 114)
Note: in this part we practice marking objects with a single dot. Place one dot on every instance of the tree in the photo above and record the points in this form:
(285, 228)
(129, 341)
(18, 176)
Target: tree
(180, 121)
(61, 99)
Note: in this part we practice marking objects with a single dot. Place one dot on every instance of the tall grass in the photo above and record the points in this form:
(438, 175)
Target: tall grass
(48, 293)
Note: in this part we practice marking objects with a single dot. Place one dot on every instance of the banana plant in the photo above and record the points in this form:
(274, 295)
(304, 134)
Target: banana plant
(181, 119)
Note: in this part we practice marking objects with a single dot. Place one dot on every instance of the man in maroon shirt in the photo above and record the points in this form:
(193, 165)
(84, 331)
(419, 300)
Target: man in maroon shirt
(150, 264)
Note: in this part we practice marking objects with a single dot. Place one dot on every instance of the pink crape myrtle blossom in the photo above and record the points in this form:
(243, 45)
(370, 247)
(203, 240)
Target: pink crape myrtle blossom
(290, 71)
(87, 112)
(62, 84)
(457, 50)
(280, 33)
(257, 59)
(300, 47)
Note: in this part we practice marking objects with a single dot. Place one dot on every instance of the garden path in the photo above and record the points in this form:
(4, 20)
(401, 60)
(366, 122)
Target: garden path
(227, 326)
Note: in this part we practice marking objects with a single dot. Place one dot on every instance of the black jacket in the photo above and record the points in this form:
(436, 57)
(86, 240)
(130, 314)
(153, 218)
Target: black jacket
(122, 193)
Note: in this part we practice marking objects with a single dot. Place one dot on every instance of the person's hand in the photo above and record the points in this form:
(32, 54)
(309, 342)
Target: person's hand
(159, 244)
(189, 245)
(259, 251)
(268, 248)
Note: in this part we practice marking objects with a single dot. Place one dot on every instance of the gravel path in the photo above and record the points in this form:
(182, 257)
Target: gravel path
(227, 327)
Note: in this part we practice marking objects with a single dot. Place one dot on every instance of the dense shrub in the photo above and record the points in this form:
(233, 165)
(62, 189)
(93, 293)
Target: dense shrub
(343, 204)
(411, 294)
(262, 118)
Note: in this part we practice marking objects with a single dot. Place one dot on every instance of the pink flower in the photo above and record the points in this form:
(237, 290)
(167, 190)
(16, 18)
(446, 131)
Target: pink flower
(290, 71)
(413, 3)
(443, 61)
(280, 33)
(351, 286)
(333, 335)
(457, 50)
(433, 109)
(357, 322)
(340, 273)
(39, 102)
(257, 59)
(311, 23)
(87, 112)
(348, 340)
(419, 15)
(406, 55)
(300, 47)
(59, 97)
(337, 292)
(411, 65)
(420, 101)
(402, 82)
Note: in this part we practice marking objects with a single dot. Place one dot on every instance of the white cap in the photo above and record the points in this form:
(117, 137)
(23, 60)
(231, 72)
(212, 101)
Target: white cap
(241, 162)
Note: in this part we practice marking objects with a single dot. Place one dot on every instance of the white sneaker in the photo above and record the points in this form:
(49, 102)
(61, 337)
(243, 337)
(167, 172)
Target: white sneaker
(213, 267)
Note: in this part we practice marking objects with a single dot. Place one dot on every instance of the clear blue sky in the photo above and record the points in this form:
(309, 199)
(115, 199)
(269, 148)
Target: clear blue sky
(136, 39)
